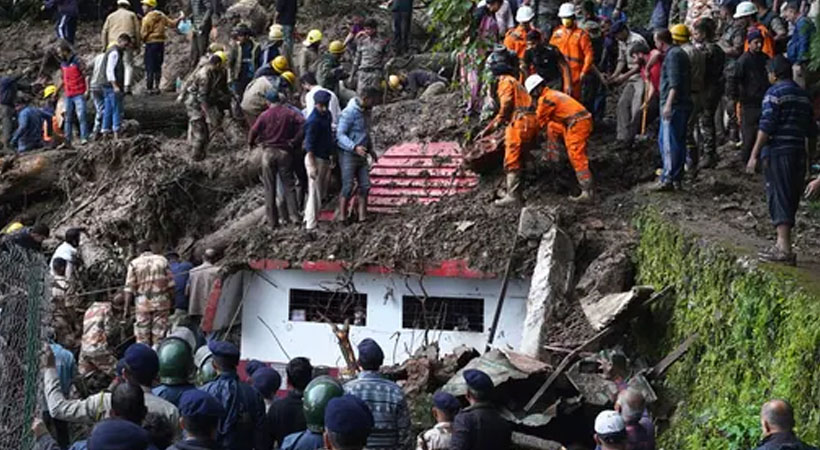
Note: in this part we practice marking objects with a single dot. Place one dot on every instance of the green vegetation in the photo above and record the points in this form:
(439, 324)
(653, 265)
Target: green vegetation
(759, 337)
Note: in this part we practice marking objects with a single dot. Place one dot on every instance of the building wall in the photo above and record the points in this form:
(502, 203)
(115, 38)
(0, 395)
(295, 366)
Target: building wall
(268, 298)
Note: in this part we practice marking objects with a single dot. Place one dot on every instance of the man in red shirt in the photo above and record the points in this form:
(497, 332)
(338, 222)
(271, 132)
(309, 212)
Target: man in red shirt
(278, 131)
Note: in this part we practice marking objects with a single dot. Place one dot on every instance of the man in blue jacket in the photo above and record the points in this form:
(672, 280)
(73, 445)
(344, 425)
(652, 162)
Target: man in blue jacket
(355, 143)
(29, 133)
(798, 49)
(319, 145)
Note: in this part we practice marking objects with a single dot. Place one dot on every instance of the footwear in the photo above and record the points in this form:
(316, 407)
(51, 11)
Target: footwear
(83, 141)
(362, 208)
(586, 195)
(777, 255)
(663, 186)
(709, 161)
(513, 195)
(341, 214)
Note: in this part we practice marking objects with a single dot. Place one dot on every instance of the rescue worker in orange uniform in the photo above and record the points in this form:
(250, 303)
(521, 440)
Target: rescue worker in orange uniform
(516, 38)
(575, 45)
(563, 116)
(746, 13)
(516, 112)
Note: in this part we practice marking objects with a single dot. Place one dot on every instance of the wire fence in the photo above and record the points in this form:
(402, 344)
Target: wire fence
(24, 294)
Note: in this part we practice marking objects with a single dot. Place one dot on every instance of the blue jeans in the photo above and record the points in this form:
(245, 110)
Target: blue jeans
(66, 28)
(78, 102)
(354, 167)
(672, 144)
(99, 107)
(112, 110)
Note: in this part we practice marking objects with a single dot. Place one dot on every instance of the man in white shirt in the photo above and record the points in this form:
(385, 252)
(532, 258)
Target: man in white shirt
(68, 251)
(310, 86)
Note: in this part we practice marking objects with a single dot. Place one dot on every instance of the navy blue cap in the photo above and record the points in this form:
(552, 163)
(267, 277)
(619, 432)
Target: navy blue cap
(252, 366)
(321, 97)
(478, 380)
(446, 402)
(348, 415)
(142, 361)
(370, 354)
(267, 381)
(118, 434)
(754, 34)
(197, 403)
(272, 95)
(617, 27)
(224, 349)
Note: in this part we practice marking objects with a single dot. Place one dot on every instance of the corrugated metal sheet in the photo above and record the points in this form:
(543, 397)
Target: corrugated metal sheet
(418, 172)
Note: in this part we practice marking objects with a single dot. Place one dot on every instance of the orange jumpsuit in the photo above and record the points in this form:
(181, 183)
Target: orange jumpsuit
(562, 115)
(516, 40)
(575, 45)
(515, 109)
(768, 40)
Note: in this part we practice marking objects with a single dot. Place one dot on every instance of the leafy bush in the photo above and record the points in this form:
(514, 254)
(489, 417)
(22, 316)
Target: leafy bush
(759, 338)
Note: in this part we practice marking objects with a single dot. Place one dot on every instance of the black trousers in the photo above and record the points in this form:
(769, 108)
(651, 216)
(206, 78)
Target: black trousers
(749, 119)
(401, 30)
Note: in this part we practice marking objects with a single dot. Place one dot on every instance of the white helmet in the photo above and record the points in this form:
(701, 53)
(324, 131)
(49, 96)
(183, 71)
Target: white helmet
(532, 82)
(745, 9)
(566, 11)
(524, 14)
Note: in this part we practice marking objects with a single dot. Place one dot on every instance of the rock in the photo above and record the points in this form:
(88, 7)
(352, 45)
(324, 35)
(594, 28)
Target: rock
(434, 89)
(534, 222)
(550, 284)
(603, 311)
(610, 272)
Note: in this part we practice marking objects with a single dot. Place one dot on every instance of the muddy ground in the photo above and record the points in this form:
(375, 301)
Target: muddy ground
(146, 186)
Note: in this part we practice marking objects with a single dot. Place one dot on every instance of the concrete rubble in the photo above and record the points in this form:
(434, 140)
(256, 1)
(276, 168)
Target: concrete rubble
(549, 286)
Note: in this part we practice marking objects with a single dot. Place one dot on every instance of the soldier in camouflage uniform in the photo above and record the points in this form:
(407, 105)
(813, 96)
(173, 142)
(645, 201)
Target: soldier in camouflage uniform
(99, 328)
(206, 95)
(368, 66)
(731, 42)
(704, 38)
(151, 282)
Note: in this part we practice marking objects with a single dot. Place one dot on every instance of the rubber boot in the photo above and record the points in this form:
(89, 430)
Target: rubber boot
(513, 195)
(341, 214)
(587, 194)
(362, 208)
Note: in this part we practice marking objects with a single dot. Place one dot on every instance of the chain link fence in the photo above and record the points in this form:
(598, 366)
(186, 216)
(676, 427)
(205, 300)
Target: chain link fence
(24, 294)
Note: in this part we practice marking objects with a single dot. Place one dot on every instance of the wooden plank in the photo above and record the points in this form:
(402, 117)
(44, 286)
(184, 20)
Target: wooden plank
(660, 369)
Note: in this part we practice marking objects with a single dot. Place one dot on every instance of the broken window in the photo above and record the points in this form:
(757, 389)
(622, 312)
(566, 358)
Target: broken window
(443, 313)
(322, 306)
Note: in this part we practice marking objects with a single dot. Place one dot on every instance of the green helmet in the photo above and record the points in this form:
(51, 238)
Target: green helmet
(206, 372)
(317, 394)
(176, 362)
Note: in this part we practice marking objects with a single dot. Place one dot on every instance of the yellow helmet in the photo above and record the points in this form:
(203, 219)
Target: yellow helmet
(280, 64)
(313, 37)
(49, 91)
(216, 47)
(394, 82)
(151, 3)
(222, 56)
(275, 32)
(336, 47)
(290, 76)
(679, 32)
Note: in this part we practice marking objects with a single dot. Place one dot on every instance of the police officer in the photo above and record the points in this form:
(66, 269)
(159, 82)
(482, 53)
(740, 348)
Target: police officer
(317, 395)
(176, 365)
(200, 413)
(265, 380)
(242, 427)
(479, 426)
(348, 422)
(138, 366)
(205, 371)
(369, 63)
(112, 433)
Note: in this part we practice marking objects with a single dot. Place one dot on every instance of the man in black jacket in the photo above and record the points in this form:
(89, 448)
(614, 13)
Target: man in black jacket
(285, 415)
(286, 16)
(777, 422)
(480, 426)
(748, 85)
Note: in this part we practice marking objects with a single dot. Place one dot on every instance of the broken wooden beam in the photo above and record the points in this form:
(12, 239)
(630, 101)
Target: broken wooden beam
(660, 369)
(528, 442)
(563, 366)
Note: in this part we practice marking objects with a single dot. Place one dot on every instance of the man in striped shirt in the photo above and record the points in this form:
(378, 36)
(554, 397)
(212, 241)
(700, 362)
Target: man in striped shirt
(385, 398)
(786, 127)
